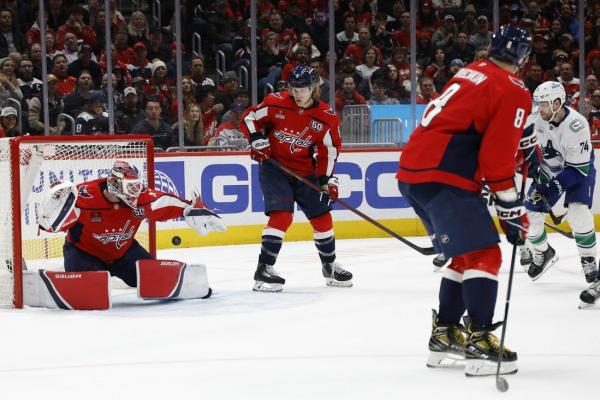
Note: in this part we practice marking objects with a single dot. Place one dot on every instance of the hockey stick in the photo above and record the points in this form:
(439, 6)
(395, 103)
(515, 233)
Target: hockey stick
(556, 220)
(501, 383)
(427, 251)
(558, 230)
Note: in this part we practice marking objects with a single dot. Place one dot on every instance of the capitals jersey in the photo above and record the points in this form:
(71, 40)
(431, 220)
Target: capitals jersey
(306, 141)
(564, 144)
(106, 230)
(471, 132)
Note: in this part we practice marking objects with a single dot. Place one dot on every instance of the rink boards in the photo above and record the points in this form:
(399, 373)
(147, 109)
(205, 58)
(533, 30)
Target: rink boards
(229, 184)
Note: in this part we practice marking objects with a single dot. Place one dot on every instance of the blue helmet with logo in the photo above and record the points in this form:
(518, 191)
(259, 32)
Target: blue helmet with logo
(510, 44)
(302, 76)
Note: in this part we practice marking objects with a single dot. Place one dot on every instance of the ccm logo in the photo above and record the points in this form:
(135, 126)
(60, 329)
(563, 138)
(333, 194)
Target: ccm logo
(509, 214)
(67, 276)
(527, 142)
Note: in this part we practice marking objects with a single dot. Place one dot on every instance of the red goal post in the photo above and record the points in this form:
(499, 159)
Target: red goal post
(28, 166)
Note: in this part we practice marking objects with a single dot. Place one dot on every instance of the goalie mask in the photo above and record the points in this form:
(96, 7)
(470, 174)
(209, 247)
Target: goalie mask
(125, 183)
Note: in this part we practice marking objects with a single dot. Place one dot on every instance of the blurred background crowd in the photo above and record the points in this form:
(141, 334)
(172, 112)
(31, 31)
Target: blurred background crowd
(372, 59)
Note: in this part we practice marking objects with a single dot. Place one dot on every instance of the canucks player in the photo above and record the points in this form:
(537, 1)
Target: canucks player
(567, 168)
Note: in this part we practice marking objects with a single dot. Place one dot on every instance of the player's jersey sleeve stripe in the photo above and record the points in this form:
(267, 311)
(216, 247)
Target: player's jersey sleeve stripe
(332, 153)
(167, 200)
(255, 116)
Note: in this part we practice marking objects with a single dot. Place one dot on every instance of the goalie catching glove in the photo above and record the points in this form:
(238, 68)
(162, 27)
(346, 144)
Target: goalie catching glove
(58, 207)
(201, 218)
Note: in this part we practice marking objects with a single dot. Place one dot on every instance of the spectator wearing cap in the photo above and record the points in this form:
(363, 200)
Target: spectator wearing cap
(482, 38)
(379, 95)
(229, 131)
(85, 60)
(140, 65)
(156, 47)
(242, 97)
(346, 67)
(227, 90)
(455, 66)
(128, 113)
(446, 33)
(8, 122)
(469, 22)
(158, 84)
(138, 28)
(154, 125)
(540, 52)
(347, 36)
(427, 92)
(74, 101)
(29, 85)
(93, 118)
(568, 79)
(270, 62)
(172, 62)
(461, 49)
(534, 77)
(35, 117)
(427, 19)
(567, 44)
(285, 37)
(355, 50)
(568, 19)
(347, 95)
(66, 83)
(401, 37)
(11, 38)
(77, 27)
(301, 56)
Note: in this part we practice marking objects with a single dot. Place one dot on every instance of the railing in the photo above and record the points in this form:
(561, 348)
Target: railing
(387, 130)
(221, 67)
(17, 105)
(196, 44)
(156, 14)
(60, 123)
(243, 74)
(201, 148)
(268, 89)
(355, 124)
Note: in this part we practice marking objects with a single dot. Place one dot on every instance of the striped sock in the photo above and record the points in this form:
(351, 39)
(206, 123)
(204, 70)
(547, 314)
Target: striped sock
(272, 240)
(325, 243)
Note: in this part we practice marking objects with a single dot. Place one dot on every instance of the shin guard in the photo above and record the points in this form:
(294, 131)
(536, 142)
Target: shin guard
(169, 279)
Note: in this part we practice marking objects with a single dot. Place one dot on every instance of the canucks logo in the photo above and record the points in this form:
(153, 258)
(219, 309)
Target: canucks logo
(550, 152)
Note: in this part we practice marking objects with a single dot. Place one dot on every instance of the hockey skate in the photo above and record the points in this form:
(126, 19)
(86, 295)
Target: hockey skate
(335, 275)
(526, 258)
(588, 265)
(266, 279)
(589, 296)
(542, 261)
(438, 262)
(446, 344)
(482, 352)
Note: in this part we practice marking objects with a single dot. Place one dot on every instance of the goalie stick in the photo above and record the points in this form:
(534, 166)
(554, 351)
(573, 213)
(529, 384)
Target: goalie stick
(427, 251)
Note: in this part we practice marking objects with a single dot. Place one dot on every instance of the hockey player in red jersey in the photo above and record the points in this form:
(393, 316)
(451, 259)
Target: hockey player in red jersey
(468, 135)
(301, 133)
(101, 218)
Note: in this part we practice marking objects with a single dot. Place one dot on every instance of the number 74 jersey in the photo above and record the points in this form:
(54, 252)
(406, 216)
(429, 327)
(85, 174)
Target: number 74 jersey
(471, 132)
(564, 144)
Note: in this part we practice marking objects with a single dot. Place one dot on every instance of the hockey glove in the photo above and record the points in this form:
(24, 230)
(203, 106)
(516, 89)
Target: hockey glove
(513, 220)
(260, 149)
(551, 191)
(58, 207)
(201, 218)
(330, 187)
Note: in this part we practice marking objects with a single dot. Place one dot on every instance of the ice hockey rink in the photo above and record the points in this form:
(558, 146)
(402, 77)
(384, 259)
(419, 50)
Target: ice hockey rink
(309, 342)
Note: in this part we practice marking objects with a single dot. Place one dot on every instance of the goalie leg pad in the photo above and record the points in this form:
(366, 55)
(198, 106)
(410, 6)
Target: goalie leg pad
(170, 279)
(89, 290)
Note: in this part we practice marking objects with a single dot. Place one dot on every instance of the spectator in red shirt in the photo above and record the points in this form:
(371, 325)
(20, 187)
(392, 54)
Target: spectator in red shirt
(123, 52)
(348, 95)
(209, 111)
(140, 65)
(362, 12)
(437, 70)
(541, 23)
(427, 19)
(286, 37)
(355, 50)
(66, 83)
(300, 57)
(428, 92)
(76, 26)
(568, 80)
(401, 37)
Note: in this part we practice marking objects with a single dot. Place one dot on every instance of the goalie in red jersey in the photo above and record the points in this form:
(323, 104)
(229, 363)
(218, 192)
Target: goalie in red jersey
(101, 218)
(301, 133)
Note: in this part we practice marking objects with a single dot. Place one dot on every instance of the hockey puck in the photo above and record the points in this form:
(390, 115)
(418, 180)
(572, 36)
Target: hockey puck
(501, 384)
(176, 240)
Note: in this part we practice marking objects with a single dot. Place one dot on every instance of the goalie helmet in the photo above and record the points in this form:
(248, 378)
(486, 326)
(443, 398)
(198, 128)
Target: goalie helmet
(125, 183)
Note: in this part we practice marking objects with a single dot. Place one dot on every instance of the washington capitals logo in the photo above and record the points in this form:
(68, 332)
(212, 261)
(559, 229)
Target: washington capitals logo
(294, 141)
(119, 238)
(83, 192)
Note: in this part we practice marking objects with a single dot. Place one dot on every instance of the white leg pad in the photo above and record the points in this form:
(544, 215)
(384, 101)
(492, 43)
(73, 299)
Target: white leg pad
(88, 290)
(170, 279)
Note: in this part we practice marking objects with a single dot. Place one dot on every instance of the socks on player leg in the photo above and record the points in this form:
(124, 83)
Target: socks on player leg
(452, 306)
(325, 243)
(479, 294)
(272, 240)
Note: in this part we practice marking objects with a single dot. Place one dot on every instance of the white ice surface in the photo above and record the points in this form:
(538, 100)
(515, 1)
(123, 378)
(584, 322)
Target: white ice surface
(309, 342)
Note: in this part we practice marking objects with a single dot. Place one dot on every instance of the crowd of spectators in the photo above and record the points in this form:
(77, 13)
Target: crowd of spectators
(372, 53)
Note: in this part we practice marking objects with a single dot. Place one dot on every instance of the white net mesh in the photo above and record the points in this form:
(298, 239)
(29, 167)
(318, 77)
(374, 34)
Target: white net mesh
(42, 164)
(6, 235)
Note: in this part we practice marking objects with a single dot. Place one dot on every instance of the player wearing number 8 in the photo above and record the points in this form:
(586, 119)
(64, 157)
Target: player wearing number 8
(469, 134)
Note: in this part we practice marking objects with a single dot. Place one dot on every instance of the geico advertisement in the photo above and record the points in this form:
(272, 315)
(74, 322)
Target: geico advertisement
(230, 185)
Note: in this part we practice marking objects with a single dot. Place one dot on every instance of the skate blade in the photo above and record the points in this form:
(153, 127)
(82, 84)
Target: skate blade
(440, 359)
(438, 269)
(584, 306)
(332, 282)
(476, 368)
(267, 287)
(550, 264)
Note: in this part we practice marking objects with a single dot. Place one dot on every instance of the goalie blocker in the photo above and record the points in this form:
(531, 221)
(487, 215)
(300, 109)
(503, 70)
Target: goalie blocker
(170, 279)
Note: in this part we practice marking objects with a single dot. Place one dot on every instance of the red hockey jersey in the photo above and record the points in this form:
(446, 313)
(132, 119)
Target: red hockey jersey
(106, 230)
(471, 132)
(305, 140)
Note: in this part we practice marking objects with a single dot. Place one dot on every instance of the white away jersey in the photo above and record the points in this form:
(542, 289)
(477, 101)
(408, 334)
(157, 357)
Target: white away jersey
(567, 144)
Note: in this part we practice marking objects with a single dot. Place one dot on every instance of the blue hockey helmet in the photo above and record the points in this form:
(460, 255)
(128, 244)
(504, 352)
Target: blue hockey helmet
(510, 44)
(302, 76)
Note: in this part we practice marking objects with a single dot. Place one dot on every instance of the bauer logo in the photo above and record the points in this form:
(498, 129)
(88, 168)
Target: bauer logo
(169, 177)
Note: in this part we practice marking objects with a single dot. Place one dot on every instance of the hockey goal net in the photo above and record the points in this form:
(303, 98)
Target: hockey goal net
(29, 165)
